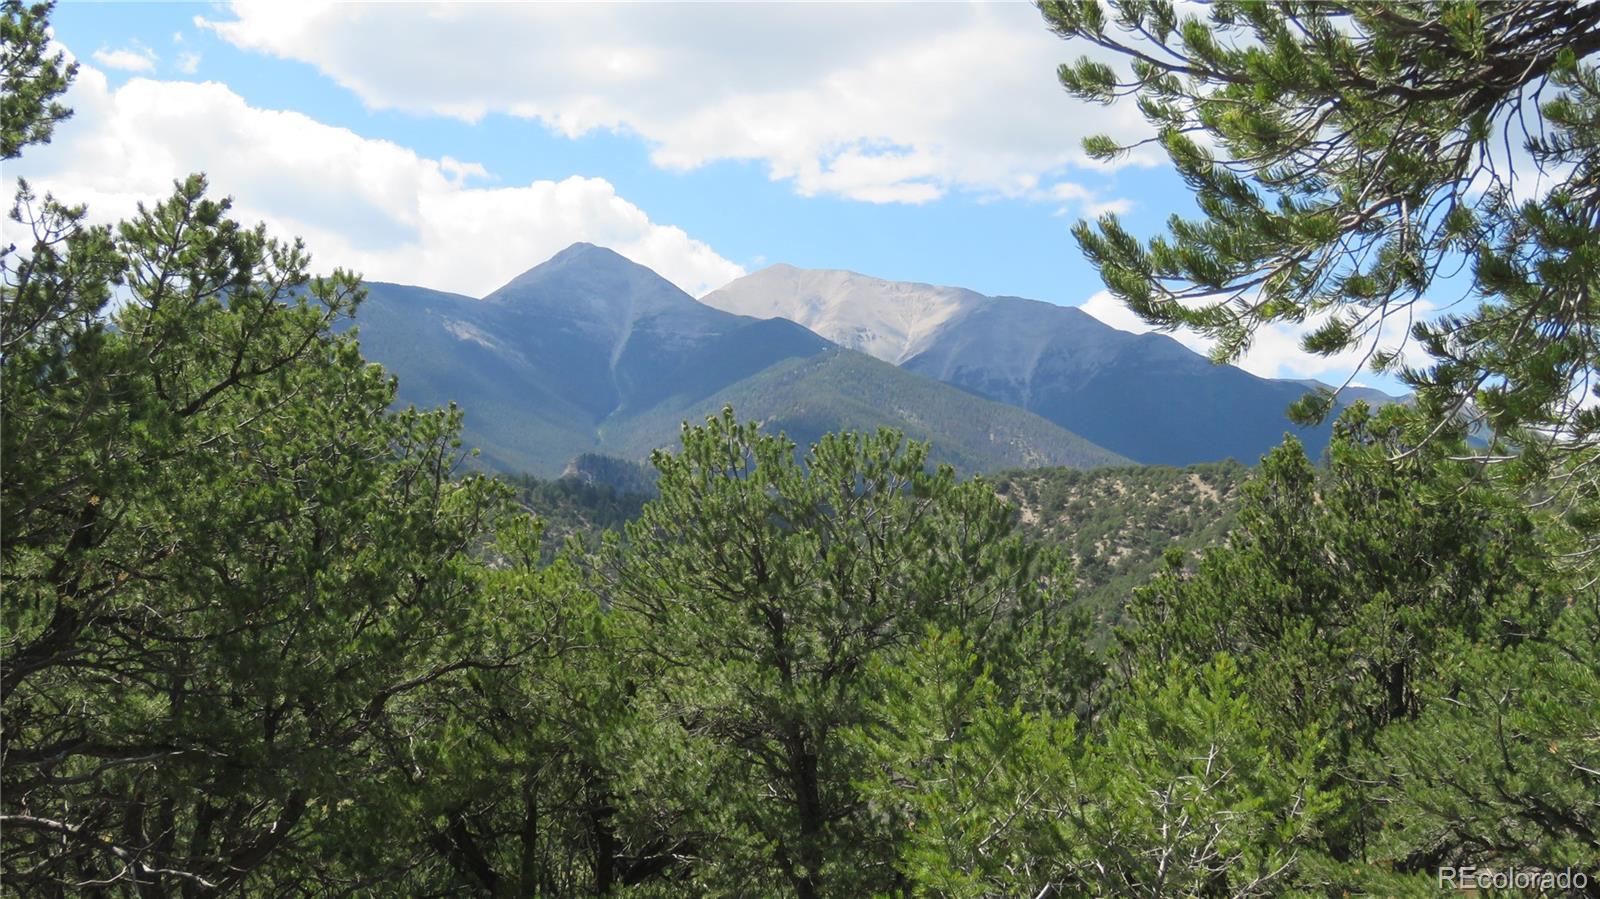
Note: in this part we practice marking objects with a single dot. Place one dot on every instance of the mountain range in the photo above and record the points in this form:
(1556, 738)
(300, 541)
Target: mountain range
(1144, 396)
(590, 353)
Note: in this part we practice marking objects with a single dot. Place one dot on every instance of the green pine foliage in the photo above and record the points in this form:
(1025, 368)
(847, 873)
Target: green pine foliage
(766, 593)
(1503, 767)
(34, 78)
(1173, 791)
(1351, 601)
(1354, 163)
(227, 565)
(569, 508)
(1117, 522)
(1184, 793)
(962, 774)
(509, 766)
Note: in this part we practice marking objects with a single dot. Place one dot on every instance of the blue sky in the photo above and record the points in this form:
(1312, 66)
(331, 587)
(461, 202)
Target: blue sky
(455, 147)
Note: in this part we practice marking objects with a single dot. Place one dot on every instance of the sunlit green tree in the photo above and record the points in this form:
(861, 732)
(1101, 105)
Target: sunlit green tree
(764, 589)
(229, 567)
(1352, 160)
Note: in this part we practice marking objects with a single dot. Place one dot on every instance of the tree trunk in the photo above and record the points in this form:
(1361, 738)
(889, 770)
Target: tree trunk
(808, 809)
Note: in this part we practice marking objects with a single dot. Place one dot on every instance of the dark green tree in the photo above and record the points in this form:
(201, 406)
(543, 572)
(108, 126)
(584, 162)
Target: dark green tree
(1502, 771)
(231, 572)
(1176, 789)
(226, 561)
(1350, 598)
(497, 783)
(33, 77)
(1348, 159)
(1183, 792)
(968, 779)
(761, 590)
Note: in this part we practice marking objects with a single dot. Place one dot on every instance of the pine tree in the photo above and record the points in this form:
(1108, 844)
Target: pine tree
(1502, 770)
(230, 569)
(34, 78)
(1348, 160)
(1176, 789)
(766, 594)
(1350, 600)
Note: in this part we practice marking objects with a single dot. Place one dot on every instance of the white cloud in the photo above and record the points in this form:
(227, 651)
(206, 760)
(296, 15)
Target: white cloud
(1109, 309)
(459, 171)
(134, 59)
(877, 102)
(1080, 200)
(1118, 206)
(1275, 351)
(367, 205)
(188, 63)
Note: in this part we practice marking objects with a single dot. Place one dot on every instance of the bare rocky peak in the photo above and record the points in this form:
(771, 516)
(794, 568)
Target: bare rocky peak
(892, 320)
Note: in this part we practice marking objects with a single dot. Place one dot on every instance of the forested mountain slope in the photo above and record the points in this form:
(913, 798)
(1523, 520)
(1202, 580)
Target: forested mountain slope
(1117, 522)
(1145, 396)
(591, 353)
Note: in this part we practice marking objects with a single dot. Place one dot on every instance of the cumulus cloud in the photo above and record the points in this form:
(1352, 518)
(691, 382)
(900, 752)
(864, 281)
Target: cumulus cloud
(1080, 200)
(1275, 352)
(1109, 309)
(876, 102)
(127, 59)
(188, 63)
(368, 205)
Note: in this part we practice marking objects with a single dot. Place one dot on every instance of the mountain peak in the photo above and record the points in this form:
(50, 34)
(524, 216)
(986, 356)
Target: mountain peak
(584, 250)
(593, 282)
(892, 320)
(580, 255)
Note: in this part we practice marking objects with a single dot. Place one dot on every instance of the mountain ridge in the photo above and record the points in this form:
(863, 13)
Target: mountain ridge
(590, 352)
(888, 337)
(1145, 396)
